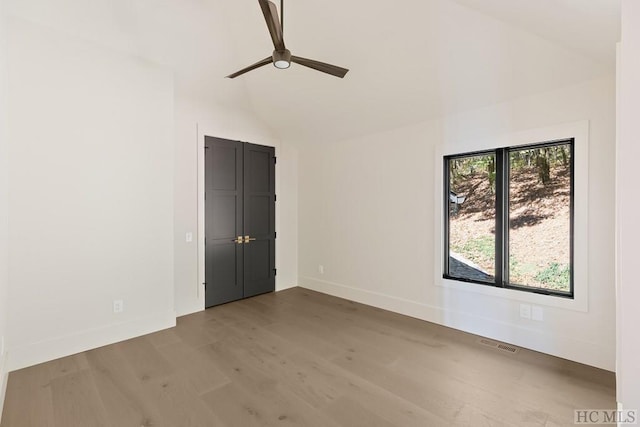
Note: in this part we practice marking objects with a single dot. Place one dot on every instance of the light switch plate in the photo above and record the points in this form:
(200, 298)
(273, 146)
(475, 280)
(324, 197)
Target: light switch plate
(525, 311)
(537, 313)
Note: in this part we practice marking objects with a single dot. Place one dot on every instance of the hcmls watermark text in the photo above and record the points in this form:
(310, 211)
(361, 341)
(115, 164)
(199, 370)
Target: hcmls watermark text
(605, 416)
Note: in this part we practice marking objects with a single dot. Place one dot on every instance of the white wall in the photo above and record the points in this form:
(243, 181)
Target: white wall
(3, 205)
(367, 215)
(91, 196)
(105, 165)
(194, 119)
(628, 232)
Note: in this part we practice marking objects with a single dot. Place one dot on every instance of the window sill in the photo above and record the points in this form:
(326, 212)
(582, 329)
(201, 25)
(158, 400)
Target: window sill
(575, 304)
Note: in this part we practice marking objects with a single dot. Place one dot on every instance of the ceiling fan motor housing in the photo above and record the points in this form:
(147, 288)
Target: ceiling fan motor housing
(282, 58)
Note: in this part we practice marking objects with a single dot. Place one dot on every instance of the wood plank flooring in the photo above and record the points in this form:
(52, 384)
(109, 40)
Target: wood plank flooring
(301, 358)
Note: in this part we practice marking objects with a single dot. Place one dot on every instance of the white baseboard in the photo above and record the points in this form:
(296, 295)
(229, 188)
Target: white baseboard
(185, 311)
(565, 347)
(51, 349)
(4, 376)
(285, 287)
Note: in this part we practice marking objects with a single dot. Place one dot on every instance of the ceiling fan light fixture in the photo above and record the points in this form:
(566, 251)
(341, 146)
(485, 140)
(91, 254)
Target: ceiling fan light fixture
(282, 59)
(282, 64)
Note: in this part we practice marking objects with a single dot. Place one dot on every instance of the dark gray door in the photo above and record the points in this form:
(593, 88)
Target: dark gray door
(259, 219)
(239, 220)
(224, 202)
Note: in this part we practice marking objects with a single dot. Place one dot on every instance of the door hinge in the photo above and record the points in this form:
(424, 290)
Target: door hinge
(275, 197)
(206, 147)
(275, 271)
(275, 234)
(205, 285)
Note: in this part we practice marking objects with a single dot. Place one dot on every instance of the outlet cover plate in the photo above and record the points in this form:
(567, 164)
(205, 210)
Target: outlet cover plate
(118, 306)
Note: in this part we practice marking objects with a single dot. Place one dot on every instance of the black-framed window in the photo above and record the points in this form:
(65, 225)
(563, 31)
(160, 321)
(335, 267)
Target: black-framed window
(509, 217)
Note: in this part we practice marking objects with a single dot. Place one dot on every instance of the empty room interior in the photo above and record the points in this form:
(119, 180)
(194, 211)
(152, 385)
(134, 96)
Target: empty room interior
(307, 213)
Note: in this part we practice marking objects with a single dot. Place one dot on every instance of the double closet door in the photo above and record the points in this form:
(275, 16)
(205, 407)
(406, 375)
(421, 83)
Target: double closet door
(239, 220)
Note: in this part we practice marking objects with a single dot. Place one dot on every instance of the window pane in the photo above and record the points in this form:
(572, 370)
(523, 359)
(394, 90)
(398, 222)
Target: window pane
(540, 217)
(472, 217)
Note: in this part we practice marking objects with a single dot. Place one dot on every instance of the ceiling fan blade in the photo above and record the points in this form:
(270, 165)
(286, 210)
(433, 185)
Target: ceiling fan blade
(270, 13)
(258, 64)
(320, 66)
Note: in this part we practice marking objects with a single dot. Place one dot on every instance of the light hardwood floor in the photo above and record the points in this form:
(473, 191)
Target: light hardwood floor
(301, 358)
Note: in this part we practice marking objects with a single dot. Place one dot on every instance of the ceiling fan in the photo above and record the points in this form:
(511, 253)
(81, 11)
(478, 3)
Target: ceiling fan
(281, 57)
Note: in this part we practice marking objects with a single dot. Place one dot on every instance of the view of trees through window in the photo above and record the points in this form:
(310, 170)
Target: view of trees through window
(536, 204)
(540, 217)
(472, 213)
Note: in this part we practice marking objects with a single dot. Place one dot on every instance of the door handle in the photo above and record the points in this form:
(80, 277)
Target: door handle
(248, 239)
(238, 240)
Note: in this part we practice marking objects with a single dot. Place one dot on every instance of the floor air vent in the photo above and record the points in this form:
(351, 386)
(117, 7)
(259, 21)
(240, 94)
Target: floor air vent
(498, 345)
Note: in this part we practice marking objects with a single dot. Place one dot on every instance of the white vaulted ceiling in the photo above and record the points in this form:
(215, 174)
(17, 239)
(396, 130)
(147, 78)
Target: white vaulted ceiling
(410, 60)
(591, 27)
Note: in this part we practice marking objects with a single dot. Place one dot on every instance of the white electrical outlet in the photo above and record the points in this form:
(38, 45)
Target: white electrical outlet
(525, 311)
(189, 237)
(321, 269)
(118, 306)
(537, 313)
